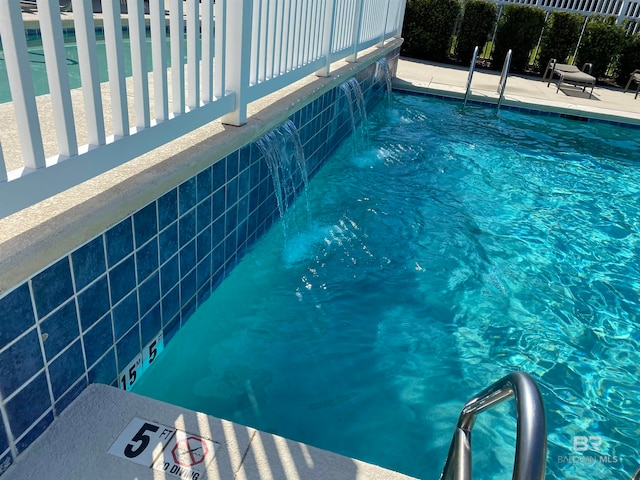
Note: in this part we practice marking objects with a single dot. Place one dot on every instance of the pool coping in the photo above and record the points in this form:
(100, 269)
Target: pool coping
(75, 446)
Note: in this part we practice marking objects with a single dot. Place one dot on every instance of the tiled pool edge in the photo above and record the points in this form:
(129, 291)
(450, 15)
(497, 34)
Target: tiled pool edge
(524, 107)
(83, 318)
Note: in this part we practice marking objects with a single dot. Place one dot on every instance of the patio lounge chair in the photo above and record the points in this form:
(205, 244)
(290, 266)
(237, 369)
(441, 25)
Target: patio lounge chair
(635, 77)
(570, 74)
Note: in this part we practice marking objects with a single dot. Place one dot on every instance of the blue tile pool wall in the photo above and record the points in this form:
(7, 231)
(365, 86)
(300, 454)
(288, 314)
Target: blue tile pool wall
(83, 319)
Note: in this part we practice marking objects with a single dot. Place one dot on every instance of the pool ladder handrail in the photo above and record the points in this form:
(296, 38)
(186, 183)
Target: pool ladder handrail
(502, 85)
(531, 433)
(472, 68)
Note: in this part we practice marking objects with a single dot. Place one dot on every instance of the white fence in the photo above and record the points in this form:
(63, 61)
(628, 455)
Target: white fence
(237, 51)
(622, 9)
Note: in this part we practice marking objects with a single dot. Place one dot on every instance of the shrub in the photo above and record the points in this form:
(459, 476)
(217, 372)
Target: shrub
(477, 23)
(519, 29)
(560, 37)
(601, 44)
(428, 28)
(629, 59)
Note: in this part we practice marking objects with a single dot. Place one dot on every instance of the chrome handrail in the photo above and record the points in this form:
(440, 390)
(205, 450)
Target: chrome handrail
(531, 434)
(502, 85)
(472, 68)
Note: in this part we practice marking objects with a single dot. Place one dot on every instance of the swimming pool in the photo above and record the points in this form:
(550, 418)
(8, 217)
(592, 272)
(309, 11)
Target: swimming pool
(39, 71)
(452, 248)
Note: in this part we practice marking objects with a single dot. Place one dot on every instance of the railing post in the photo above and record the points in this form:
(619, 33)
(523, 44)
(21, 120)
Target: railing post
(207, 50)
(220, 69)
(176, 25)
(158, 56)
(357, 27)
(327, 41)
(193, 53)
(22, 92)
(115, 66)
(139, 62)
(58, 76)
(88, 59)
(239, 13)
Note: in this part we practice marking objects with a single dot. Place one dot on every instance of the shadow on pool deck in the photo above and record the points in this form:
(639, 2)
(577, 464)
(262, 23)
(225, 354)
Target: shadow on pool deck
(75, 446)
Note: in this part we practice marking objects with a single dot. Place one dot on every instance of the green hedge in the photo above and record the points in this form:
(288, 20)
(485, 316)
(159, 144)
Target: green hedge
(519, 29)
(601, 44)
(629, 59)
(477, 24)
(560, 37)
(428, 28)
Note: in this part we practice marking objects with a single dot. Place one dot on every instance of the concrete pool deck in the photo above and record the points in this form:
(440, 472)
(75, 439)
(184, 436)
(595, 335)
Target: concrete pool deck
(89, 441)
(524, 91)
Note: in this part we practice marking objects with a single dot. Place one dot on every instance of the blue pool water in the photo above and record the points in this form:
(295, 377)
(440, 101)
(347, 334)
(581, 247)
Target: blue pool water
(453, 248)
(39, 71)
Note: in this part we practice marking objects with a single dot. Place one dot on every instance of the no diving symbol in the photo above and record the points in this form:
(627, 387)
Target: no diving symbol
(189, 451)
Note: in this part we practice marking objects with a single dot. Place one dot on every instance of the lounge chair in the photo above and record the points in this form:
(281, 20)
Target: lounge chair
(570, 74)
(635, 77)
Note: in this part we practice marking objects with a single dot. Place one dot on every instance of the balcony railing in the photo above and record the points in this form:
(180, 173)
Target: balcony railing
(223, 54)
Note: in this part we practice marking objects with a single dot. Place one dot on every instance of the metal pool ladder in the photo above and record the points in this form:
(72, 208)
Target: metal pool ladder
(502, 85)
(472, 68)
(531, 436)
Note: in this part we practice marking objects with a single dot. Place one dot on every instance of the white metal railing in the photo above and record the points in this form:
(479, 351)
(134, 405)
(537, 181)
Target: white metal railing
(261, 46)
(622, 9)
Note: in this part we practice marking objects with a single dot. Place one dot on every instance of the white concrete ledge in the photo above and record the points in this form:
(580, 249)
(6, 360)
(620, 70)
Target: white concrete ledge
(75, 446)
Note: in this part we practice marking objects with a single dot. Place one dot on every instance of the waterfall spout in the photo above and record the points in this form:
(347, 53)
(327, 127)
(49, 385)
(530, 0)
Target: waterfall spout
(383, 74)
(285, 158)
(355, 102)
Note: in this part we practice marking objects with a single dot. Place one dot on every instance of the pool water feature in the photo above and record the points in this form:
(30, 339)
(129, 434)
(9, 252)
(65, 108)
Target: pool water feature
(384, 72)
(355, 104)
(457, 247)
(283, 152)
